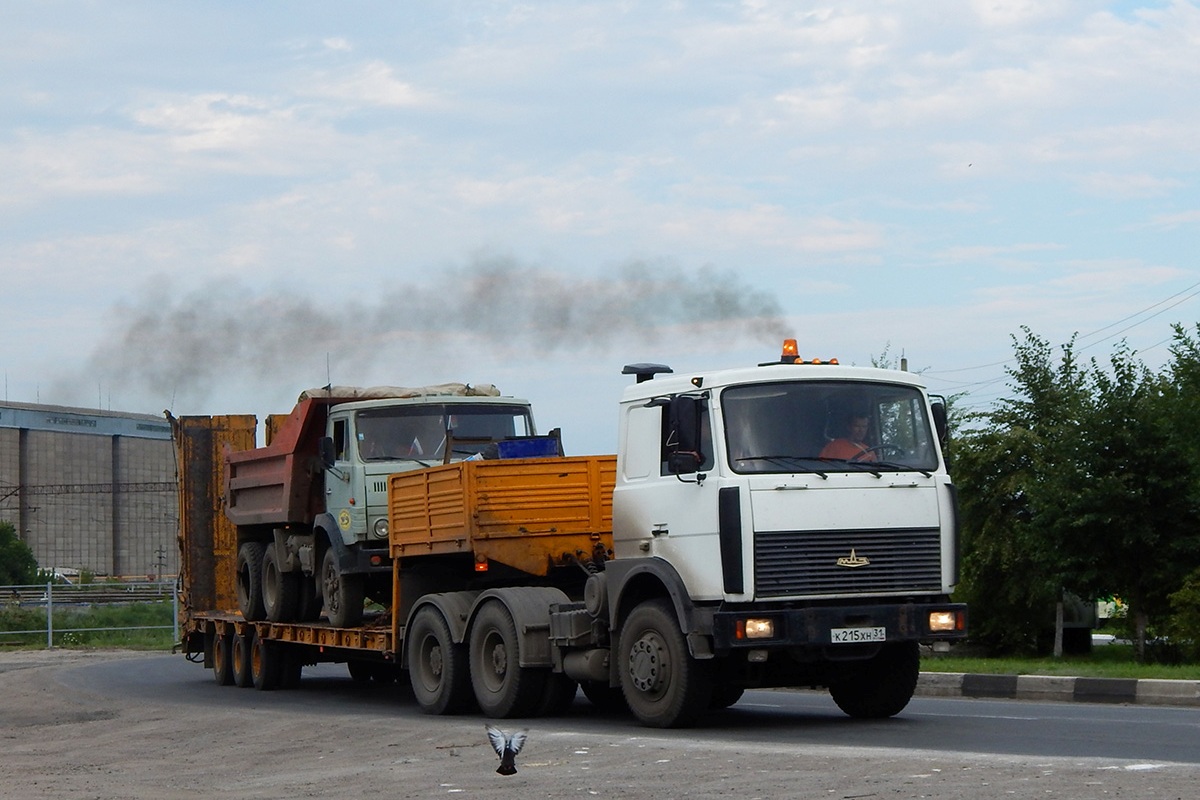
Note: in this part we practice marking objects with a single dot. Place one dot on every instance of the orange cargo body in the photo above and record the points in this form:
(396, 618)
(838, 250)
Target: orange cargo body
(529, 514)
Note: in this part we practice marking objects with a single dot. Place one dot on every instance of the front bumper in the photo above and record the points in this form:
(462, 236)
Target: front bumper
(815, 626)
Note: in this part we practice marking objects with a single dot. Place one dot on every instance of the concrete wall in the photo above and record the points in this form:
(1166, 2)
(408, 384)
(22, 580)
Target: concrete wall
(90, 490)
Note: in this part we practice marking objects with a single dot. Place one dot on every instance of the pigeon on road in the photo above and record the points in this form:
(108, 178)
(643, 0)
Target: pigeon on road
(506, 745)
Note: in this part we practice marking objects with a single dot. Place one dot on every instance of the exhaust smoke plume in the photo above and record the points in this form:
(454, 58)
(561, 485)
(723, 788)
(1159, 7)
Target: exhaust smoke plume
(181, 346)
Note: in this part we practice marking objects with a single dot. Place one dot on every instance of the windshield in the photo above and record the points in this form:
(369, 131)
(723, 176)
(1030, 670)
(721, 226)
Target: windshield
(422, 431)
(827, 426)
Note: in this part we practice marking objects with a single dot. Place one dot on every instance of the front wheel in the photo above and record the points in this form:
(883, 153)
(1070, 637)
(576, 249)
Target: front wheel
(664, 686)
(882, 686)
(343, 594)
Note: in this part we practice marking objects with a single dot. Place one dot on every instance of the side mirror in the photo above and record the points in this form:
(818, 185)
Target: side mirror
(328, 455)
(940, 423)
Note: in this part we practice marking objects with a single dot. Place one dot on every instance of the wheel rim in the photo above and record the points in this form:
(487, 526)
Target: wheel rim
(430, 668)
(649, 664)
(332, 586)
(494, 653)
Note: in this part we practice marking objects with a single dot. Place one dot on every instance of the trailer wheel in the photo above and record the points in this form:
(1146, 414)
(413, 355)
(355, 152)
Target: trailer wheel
(222, 659)
(280, 589)
(343, 594)
(243, 676)
(249, 581)
(882, 686)
(266, 664)
(502, 687)
(437, 667)
(664, 686)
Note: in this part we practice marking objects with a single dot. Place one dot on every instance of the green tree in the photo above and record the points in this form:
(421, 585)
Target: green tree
(1125, 520)
(17, 564)
(1007, 468)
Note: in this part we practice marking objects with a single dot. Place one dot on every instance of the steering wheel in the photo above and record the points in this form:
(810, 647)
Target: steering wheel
(886, 447)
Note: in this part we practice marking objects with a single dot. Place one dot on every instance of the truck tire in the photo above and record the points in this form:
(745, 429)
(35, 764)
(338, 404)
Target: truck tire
(266, 664)
(343, 595)
(664, 686)
(502, 687)
(882, 686)
(222, 659)
(280, 589)
(437, 667)
(243, 676)
(249, 581)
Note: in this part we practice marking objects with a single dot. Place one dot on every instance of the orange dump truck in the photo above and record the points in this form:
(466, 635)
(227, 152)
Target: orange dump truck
(729, 544)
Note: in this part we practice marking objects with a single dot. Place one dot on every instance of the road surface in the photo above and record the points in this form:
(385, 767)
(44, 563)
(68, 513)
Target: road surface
(137, 725)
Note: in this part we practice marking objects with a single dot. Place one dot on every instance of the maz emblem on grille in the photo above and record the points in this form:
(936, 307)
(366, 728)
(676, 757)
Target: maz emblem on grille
(853, 560)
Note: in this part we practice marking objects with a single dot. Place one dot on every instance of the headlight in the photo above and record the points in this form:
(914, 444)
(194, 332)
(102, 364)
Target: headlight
(755, 628)
(942, 621)
(381, 528)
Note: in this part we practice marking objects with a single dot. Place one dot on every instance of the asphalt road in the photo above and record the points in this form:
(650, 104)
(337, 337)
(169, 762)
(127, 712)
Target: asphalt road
(158, 726)
(802, 718)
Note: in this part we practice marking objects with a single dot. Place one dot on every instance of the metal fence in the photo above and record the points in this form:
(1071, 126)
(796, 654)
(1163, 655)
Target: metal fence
(80, 597)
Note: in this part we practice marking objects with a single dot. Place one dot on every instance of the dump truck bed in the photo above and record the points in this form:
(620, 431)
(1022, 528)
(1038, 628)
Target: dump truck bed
(531, 514)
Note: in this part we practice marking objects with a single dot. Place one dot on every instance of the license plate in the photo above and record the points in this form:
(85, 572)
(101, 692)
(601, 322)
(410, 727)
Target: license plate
(852, 635)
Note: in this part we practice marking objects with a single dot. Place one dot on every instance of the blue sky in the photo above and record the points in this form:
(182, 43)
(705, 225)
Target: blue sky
(208, 207)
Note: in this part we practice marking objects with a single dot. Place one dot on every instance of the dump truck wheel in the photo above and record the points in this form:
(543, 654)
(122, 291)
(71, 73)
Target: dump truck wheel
(308, 606)
(343, 594)
(437, 667)
(501, 686)
(243, 676)
(266, 664)
(280, 589)
(664, 686)
(222, 659)
(249, 581)
(882, 686)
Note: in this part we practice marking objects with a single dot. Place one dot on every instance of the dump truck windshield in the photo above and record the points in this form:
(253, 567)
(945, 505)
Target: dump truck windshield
(423, 431)
(827, 426)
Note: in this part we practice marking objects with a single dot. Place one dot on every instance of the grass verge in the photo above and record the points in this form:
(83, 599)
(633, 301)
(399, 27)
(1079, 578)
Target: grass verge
(1106, 661)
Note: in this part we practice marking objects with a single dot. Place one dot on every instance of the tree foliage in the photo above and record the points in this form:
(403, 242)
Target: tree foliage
(17, 563)
(1081, 482)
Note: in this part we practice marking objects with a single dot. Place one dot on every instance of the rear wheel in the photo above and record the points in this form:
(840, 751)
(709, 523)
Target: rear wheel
(343, 594)
(249, 581)
(280, 589)
(501, 686)
(664, 686)
(882, 686)
(437, 667)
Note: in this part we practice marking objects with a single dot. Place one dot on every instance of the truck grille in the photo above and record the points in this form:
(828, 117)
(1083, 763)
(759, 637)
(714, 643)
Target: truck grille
(805, 563)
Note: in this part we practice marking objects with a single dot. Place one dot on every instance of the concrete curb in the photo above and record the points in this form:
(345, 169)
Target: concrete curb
(1056, 688)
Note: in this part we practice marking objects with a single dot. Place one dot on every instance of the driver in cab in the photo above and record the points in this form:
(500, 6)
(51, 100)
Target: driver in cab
(852, 446)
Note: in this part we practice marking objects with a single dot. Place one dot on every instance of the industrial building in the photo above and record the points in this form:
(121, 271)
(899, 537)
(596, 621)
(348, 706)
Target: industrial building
(90, 490)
